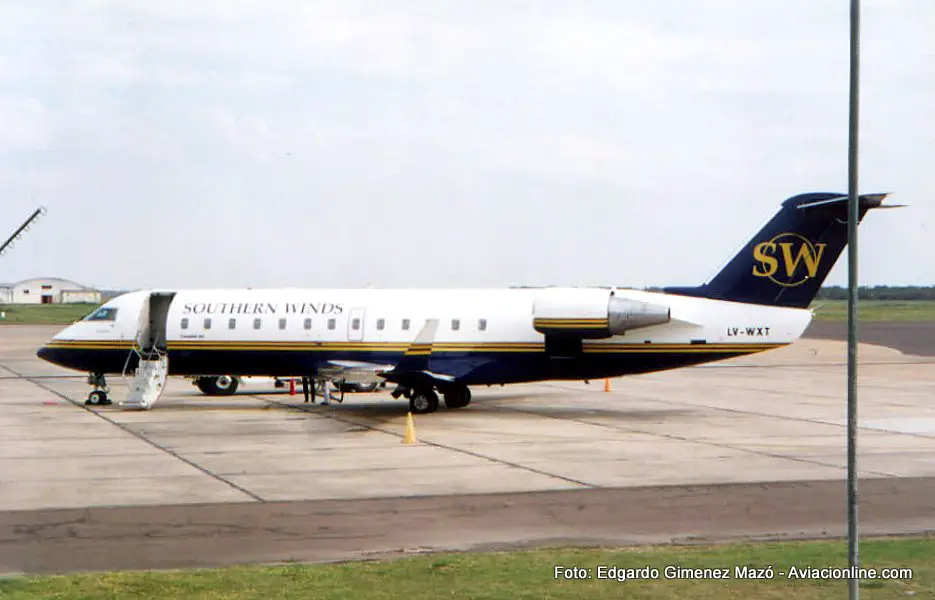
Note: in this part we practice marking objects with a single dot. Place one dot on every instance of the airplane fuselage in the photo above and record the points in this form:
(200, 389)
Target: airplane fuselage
(483, 336)
(447, 340)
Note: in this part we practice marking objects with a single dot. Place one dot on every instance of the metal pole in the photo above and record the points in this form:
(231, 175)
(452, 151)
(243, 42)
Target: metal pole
(853, 199)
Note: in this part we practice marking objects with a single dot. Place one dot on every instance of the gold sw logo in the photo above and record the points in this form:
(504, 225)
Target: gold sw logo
(780, 258)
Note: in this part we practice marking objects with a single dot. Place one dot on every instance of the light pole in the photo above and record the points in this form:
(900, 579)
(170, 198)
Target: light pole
(853, 199)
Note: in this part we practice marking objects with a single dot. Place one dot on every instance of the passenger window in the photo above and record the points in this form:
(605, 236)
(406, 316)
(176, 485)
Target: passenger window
(231, 323)
(482, 324)
(208, 323)
(405, 324)
(355, 324)
(184, 323)
(308, 323)
(455, 324)
(380, 324)
(282, 323)
(331, 323)
(257, 323)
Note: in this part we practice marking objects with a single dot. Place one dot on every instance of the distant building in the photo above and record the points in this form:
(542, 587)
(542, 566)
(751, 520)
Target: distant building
(48, 290)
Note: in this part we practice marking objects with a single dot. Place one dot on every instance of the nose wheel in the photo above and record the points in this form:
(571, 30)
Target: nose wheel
(98, 397)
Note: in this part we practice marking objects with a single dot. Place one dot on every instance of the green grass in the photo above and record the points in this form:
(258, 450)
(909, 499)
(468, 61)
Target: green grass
(45, 314)
(518, 576)
(876, 310)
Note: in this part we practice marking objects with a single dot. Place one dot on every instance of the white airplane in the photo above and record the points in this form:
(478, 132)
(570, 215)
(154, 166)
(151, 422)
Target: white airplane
(447, 340)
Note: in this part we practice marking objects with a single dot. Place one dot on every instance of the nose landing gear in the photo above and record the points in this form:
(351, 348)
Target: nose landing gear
(98, 396)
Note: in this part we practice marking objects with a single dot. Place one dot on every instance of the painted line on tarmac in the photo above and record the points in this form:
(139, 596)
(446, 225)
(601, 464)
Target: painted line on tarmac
(28, 377)
(921, 361)
(679, 438)
(753, 413)
(139, 436)
(825, 365)
(310, 410)
(803, 419)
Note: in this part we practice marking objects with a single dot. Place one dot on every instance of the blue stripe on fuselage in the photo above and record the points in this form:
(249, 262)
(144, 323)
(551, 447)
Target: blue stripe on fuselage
(470, 368)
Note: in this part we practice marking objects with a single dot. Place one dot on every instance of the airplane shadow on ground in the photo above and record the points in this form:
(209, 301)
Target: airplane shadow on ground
(381, 408)
(393, 410)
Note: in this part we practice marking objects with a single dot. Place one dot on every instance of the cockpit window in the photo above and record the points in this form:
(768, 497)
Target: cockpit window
(103, 314)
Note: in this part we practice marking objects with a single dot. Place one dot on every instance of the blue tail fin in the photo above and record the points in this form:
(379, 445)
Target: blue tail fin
(788, 260)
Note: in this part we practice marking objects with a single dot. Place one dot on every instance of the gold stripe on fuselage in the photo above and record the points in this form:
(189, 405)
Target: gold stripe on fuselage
(571, 323)
(91, 344)
(569, 319)
(707, 349)
(592, 347)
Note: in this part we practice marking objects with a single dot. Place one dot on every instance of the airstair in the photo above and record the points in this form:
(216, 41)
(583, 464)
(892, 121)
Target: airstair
(149, 379)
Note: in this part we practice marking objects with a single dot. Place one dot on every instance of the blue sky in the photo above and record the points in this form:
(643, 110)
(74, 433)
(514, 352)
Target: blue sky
(449, 144)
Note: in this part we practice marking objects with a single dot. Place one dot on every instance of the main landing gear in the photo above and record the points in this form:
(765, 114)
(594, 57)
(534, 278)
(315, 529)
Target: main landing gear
(458, 397)
(219, 385)
(425, 400)
(98, 396)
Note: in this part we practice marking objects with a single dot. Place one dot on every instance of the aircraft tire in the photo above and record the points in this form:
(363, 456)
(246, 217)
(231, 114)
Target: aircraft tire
(221, 385)
(97, 397)
(458, 398)
(423, 402)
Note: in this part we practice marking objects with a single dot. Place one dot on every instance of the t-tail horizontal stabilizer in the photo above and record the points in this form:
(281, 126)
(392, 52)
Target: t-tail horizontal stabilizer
(786, 262)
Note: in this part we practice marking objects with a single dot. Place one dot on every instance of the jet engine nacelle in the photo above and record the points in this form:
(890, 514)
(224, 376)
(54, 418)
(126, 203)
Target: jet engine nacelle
(593, 313)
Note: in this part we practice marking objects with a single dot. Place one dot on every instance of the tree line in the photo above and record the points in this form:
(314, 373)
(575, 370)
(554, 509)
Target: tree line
(866, 292)
(879, 292)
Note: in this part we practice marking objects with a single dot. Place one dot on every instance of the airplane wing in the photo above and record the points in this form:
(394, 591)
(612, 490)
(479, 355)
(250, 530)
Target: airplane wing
(353, 371)
(359, 365)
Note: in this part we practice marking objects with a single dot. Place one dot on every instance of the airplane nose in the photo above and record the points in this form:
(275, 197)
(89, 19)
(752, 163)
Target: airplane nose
(56, 356)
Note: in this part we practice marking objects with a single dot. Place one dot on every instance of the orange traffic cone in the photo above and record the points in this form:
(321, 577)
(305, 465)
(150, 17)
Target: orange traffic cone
(607, 385)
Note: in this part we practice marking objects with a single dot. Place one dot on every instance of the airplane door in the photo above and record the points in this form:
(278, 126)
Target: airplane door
(355, 325)
(151, 333)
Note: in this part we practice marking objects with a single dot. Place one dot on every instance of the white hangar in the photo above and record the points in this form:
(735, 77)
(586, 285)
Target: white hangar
(48, 290)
